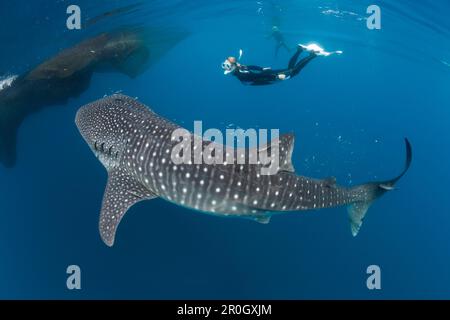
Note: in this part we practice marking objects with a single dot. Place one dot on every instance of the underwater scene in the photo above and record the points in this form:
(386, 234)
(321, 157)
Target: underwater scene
(193, 149)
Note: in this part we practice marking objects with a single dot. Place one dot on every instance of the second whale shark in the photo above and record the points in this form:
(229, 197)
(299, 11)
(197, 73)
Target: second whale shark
(134, 144)
(68, 74)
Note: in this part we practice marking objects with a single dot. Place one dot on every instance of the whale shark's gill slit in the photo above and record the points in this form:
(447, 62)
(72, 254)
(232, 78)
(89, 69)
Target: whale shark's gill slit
(110, 150)
(95, 146)
(102, 147)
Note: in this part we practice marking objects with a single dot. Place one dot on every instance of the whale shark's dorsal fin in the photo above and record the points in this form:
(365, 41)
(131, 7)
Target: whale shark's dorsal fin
(122, 191)
(330, 182)
(286, 147)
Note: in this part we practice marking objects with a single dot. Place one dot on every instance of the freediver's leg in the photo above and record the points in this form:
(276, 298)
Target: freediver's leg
(299, 66)
(294, 58)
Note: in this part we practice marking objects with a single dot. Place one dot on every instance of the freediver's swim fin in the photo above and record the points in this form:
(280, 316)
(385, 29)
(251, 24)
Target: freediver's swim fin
(318, 50)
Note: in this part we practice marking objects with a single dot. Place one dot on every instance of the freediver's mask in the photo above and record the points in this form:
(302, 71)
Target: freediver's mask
(228, 66)
(231, 63)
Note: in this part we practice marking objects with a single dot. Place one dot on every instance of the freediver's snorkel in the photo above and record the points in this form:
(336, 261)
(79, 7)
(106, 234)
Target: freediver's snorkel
(231, 63)
(241, 53)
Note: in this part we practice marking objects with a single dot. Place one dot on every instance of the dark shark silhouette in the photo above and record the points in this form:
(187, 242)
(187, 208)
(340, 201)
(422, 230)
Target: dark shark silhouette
(135, 145)
(68, 74)
(113, 13)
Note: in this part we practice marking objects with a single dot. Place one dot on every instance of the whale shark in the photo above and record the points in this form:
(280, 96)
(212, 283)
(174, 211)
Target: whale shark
(134, 144)
(68, 74)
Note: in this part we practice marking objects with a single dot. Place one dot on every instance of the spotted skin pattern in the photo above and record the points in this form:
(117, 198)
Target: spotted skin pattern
(135, 145)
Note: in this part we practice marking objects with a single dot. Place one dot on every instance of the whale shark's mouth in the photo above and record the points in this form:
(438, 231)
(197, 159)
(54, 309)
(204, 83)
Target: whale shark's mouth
(7, 81)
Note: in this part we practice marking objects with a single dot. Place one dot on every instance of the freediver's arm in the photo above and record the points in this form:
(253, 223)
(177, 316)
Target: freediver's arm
(256, 68)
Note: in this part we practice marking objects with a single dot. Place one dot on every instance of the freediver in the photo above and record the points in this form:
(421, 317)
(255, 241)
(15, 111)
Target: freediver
(279, 39)
(257, 76)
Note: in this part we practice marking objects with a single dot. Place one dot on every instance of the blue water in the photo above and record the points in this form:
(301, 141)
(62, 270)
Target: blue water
(349, 113)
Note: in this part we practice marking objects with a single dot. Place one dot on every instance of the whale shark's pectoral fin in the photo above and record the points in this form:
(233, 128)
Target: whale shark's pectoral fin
(387, 187)
(122, 191)
(134, 64)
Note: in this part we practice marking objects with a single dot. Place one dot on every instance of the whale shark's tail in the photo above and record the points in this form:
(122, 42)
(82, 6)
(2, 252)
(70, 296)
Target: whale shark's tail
(368, 193)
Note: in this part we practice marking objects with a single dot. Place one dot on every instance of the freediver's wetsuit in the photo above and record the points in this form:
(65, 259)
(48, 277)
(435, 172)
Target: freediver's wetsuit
(258, 76)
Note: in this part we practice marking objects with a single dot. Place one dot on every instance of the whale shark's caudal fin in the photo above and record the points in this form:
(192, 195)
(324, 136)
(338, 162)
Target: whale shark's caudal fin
(369, 192)
(122, 191)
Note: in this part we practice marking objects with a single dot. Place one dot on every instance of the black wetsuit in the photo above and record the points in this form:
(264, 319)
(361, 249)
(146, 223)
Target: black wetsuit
(258, 76)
